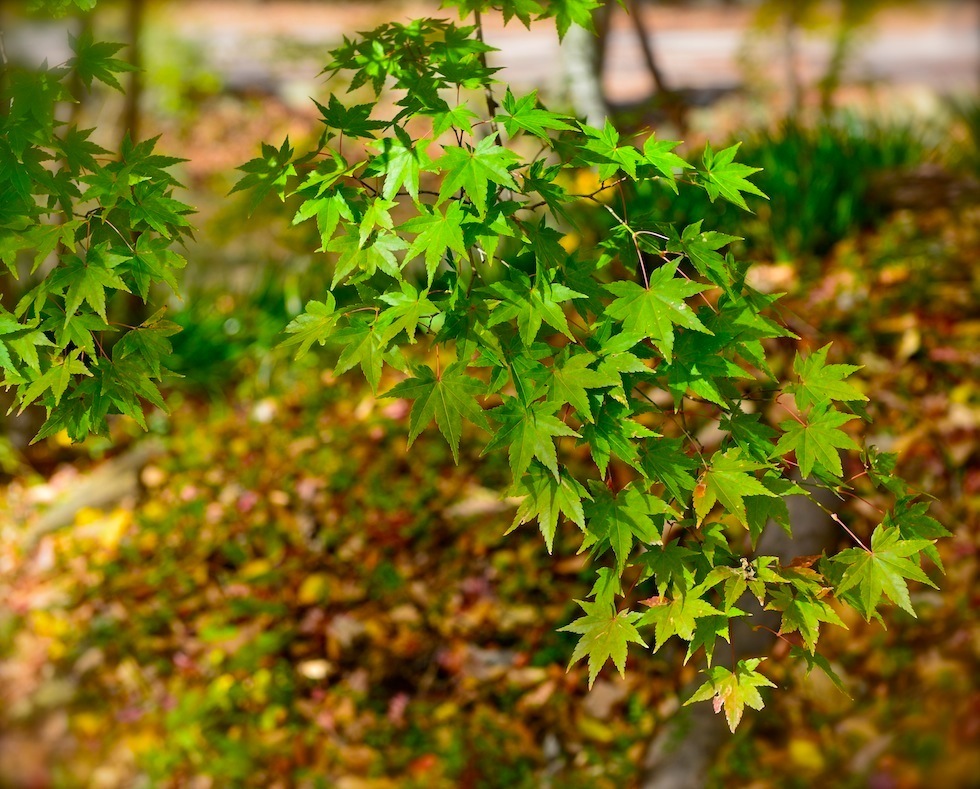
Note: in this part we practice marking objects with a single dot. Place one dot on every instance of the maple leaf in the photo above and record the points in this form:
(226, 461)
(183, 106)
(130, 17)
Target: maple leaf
(803, 612)
(402, 162)
(363, 345)
(612, 433)
(352, 121)
(817, 440)
(733, 691)
(447, 398)
(524, 114)
(655, 310)
(572, 377)
(474, 169)
(149, 341)
(407, 309)
(669, 564)
(701, 247)
(529, 432)
(602, 147)
(608, 585)
(94, 61)
(665, 461)
(725, 177)
(379, 253)
(55, 379)
(881, 571)
(657, 153)
(605, 634)
(821, 382)
(531, 305)
(677, 617)
(914, 523)
(271, 171)
(436, 234)
(546, 498)
(315, 324)
(728, 480)
(707, 631)
(621, 518)
(87, 281)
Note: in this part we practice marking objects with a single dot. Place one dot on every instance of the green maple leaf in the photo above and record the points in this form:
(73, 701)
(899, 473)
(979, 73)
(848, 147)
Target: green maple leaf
(571, 378)
(733, 691)
(266, 173)
(376, 216)
(727, 178)
(605, 634)
(329, 210)
(570, 12)
(379, 253)
(669, 564)
(612, 434)
(821, 383)
(529, 432)
(546, 499)
(881, 571)
(817, 440)
(531, 305)
(364, 346)
(701, 248)
(94, 61)
(352, 121)
(707, 631)
(802, 612)
(915, 523)
(87, 281)
(677, 617)
(436, 234)
(702, 365)
(55, 379)
(728, 480)
(654, 311)
(407, 309)
(607, 587)
(149, 342)
(447, 398)
(474, 169)
(315, 324)
(623, 518)
(665, 461)
(657, 153)
(602, 147)
(524, 114)
(403, 161)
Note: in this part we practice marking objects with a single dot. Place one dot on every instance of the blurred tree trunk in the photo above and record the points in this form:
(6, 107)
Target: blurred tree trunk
(794, 86)
(583, 55)
(132, 117)
(685, 749)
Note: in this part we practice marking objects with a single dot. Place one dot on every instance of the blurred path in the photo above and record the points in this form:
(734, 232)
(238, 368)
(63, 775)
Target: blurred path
(933, 45)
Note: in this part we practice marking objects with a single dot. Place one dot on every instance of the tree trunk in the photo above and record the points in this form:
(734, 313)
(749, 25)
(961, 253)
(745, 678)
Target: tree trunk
(682, 753)
(135, 14)
(580, 55)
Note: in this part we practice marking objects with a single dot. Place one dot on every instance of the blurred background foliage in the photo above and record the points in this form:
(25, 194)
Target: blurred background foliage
(276, 594)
